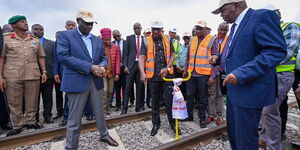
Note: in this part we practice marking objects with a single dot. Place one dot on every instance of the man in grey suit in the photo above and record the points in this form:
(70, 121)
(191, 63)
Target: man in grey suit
(84, 60)
(47, 87)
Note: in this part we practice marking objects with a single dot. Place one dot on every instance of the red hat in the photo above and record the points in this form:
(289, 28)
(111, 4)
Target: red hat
(105, 33)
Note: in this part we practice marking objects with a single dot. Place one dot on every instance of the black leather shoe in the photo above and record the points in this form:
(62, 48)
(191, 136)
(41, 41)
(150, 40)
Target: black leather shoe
(118, 108)
(57, 116)
(63, 123)
(130, 104)
(187, 119)
(142, 108)
(203, 124)
(124, 111)
(179, 131)
(148, 105)
(6, 126)
(89, 118)
(137, 110)
(48, 120)
(34, 126)
(110, 141)
(14, 132)
(154, 130)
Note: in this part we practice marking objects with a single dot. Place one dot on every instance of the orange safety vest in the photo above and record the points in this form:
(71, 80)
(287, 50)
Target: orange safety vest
(199, 54)
(149, 64)
(223, 44)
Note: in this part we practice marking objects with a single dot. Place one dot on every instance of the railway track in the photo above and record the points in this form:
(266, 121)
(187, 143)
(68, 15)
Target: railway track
(132, 131)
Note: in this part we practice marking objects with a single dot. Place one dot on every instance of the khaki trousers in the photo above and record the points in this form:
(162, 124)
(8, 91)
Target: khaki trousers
(15, 92)
(107, 94)
(215, 100)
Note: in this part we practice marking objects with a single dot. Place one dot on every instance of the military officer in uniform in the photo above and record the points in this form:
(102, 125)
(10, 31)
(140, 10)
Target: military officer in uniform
(20, 62)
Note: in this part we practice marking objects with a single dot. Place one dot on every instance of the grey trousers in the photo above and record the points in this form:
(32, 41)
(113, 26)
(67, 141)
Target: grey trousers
(215, 100)
(270, 119)
(76, 104)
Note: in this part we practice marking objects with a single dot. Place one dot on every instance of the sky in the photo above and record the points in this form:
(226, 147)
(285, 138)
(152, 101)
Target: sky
(122, 14)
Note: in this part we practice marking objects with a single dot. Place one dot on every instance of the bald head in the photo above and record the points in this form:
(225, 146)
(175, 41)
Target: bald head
(7, 28)
(116, 35)
(70, 24)
(137, 28)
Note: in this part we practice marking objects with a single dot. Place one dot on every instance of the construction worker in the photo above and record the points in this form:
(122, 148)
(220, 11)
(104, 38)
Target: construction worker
(176, 45)
(157, 56)
(271, 121)
(20, 59)
(201, 49)
(215, 98)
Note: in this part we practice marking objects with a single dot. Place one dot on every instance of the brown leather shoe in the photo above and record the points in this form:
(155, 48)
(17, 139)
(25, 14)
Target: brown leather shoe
(209, 120)
(219, 121)
(261, 144)
(110, 141)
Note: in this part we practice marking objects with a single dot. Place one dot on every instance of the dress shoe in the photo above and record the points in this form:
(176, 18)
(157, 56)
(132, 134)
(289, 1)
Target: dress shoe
(154, 130)
(63, 123)
(148, 105)
(48, 120)
(174, 130)
(34, 126)
(209, 120)
(118, 108)
(296, 144)
(14, 132)
(187, 119)
(57, 116)
(110, 141)
(90, 118)
(137, 110)
(124, 111)
(202, 124)
(6, 126)
(219, 121)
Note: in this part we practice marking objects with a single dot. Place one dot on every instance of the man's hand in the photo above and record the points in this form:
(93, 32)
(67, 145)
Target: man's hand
(126, 70)
(213, 59)
(180, 69)
(297, 92)
(44, 77)
(163, 72)
(144, 78)
(2, 84)
(230, 79)
(117, 77)
(57, 78)
(184, 74)
(211, 81)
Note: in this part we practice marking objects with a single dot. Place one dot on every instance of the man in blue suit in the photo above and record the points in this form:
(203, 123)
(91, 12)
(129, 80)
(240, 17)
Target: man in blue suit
(254, 48)
(84, 60)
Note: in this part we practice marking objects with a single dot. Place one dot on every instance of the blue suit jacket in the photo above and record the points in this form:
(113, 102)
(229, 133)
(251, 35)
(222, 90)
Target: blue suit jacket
(74, 56)
(256, 49)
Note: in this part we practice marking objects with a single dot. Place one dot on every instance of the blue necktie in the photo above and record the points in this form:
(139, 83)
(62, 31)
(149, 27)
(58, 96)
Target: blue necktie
(226, 49)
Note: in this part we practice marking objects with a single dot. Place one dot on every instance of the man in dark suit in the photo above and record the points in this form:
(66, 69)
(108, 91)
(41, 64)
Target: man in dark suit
(47, 87)
(84, 60)
(130, 62)
(254, 48)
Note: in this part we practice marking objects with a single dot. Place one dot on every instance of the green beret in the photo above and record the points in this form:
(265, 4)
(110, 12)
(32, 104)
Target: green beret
(15, 19)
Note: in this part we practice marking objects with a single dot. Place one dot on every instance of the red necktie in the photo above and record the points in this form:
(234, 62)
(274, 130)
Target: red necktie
(138, 47)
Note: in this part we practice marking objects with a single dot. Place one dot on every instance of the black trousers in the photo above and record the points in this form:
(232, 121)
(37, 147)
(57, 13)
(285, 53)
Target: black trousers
(284, 106)
(134, 76)
(161, 91)
(59, 99)
(197, 86)
(46, 90)
(4, 116)
(148, 95)
(120, 87)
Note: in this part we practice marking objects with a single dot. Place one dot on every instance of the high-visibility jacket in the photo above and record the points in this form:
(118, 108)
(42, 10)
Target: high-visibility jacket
(199, 54)
(176, 46)
(150, 62)
(223, 44)
(290, 65)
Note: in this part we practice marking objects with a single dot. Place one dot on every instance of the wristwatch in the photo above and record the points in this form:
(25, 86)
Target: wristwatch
(168, 68)
(44, 71)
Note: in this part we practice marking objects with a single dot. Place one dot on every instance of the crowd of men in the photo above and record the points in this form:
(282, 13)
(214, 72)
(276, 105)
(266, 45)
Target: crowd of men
(253, 71)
